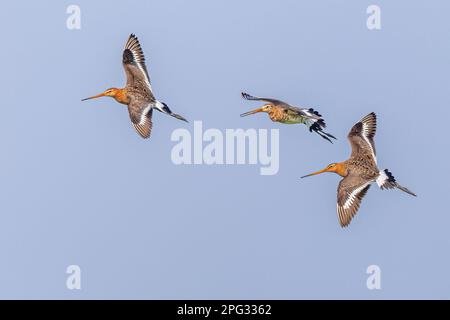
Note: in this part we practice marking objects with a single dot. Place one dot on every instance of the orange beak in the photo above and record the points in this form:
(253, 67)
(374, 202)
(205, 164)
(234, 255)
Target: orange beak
(252, 112)
(317, 172)
(95, 97)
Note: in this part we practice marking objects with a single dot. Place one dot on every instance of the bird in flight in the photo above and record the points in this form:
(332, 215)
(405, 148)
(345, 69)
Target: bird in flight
(282, 112)
(359, 171)
(137, 94)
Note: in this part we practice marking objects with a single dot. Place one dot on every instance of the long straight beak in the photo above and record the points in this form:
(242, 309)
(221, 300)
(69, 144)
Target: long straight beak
(251, 112)
(95, 97)
(314, 173)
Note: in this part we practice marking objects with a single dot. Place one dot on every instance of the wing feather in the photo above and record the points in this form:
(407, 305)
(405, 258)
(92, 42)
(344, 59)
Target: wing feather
(361, 137)
(141, 118)
(275, 102)
(351, 191)
(134, 63)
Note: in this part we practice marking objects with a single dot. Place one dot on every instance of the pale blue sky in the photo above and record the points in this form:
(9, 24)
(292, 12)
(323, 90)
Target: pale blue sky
(80, 187)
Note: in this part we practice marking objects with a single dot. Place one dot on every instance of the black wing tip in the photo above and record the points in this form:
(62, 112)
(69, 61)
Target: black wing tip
(246, 96)
(315, 112)
(371, 116)
(132, 40)
(133, 52)
(369, 120)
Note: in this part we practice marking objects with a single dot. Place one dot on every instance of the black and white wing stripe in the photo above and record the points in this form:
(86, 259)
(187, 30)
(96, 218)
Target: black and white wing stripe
(134, 62)
(369, 128)
(141, 120)
(351, 191)
(362, 134)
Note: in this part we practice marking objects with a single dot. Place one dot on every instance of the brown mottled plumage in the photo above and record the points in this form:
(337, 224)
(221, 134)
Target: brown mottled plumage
(359, 171)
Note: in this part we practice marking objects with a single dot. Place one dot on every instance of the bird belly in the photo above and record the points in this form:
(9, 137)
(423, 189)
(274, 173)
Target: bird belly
(283, 117)
(291, 121)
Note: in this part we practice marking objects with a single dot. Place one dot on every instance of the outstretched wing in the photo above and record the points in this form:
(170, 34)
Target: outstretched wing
(351, 190)
(141, 118)
(134, 63)
(276, 102)
(361, 137)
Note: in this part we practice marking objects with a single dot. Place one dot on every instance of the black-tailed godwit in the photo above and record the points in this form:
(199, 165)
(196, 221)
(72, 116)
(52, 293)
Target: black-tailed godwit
(283, 112)
(137, 94)
(359, 171)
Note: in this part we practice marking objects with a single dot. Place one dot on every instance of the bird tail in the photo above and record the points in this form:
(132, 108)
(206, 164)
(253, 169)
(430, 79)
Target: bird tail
(164, 108)
(387, 181)
(317, 124)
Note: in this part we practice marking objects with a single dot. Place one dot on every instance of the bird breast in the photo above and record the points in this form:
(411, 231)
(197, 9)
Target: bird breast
(122, 97)
(278, 115)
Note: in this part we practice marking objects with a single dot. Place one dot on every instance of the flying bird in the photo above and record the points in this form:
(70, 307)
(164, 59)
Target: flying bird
(137, 94)
(283, 112)
(360, 170)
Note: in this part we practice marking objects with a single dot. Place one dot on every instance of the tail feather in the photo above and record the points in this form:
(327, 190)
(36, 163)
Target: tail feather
(318, 126)
(315, 112)
(162, 107)
(387, 181)
(325, 135)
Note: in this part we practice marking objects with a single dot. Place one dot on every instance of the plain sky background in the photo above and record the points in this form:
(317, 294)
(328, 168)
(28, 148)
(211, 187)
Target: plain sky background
(78, 185)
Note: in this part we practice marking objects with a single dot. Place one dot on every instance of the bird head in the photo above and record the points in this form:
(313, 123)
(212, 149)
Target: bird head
(118, 94)
(264, 108)
(111, 92)
(336, 167)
